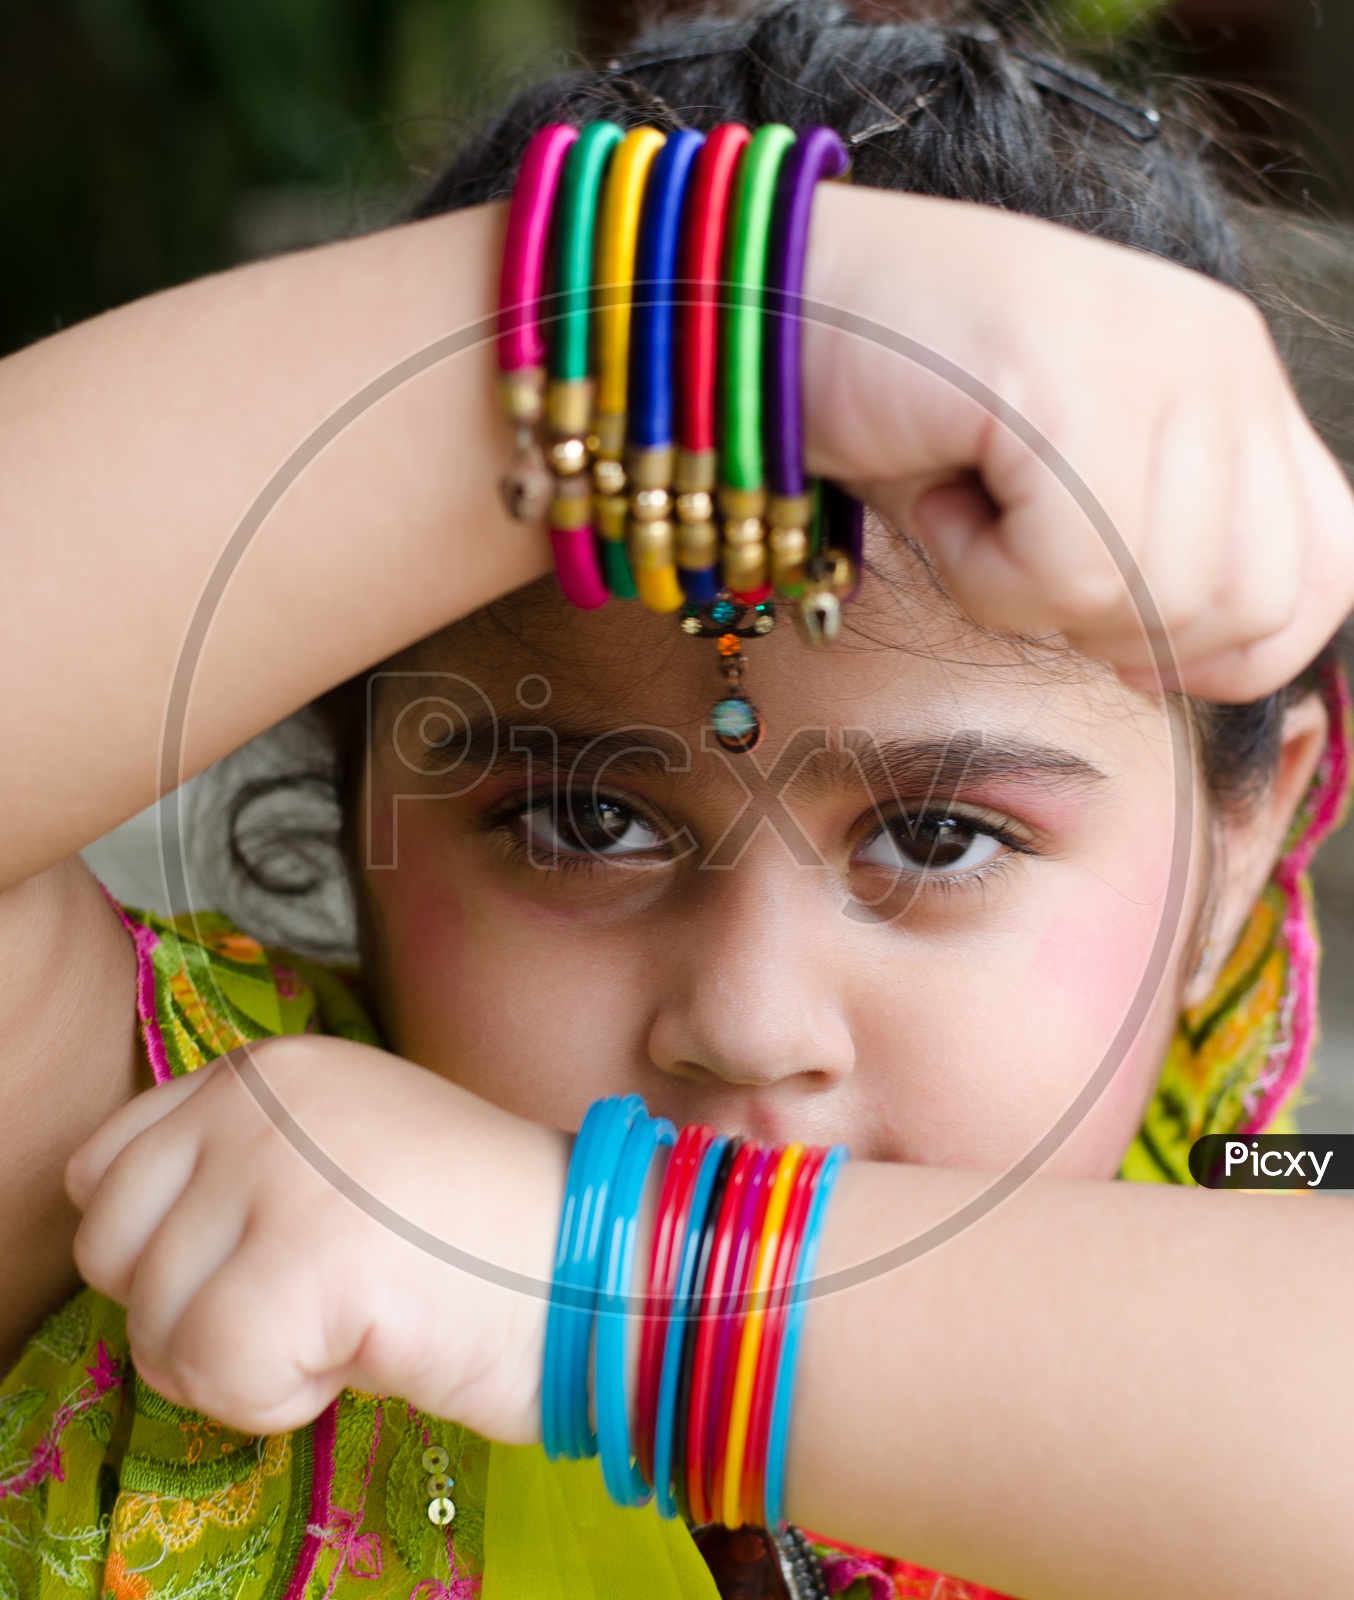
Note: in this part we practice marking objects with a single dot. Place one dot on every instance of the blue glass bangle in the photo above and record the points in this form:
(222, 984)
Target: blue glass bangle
(650, 404)
(779, 1431)
(573, 1300)
(625, 1483)
(665, 1420)
(552, 1422)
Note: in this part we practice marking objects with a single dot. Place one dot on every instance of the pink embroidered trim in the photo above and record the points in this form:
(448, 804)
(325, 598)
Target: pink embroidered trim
(358, 1553)
(1330, 796)
(144, 940)
(45, 1461)
(321, 1491)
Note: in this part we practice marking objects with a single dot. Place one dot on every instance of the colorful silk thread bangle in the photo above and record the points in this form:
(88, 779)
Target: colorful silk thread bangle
(670, 1222)
(569, 1321)
(727, 218)
(768, 1360)
(744, 1371)
(624, 1482)
(698, 321)
(649, 407)
(743, 487)
(617, 241)
(819, 580)
(778, 1438)
(694, 1233)
(568, 405)
(521, 348)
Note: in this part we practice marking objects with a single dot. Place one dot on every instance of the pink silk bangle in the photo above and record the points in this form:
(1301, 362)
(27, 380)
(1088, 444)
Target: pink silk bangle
(580, 577)
(533, 202)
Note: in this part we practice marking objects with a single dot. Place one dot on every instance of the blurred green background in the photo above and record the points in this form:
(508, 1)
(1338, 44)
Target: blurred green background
(144, 142)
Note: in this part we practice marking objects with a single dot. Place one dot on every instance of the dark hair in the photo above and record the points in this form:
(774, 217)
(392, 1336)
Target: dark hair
(959, 104)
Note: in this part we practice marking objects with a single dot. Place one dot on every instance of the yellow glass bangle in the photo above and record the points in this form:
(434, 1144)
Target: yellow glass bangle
(618, 234)
(748, 1351)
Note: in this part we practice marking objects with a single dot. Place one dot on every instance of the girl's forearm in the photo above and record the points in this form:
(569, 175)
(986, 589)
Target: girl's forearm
(135, 450)
(1035, 1404)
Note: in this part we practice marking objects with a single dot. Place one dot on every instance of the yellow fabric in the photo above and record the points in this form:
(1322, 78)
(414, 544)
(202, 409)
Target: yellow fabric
(618, 234)
(551, 1532)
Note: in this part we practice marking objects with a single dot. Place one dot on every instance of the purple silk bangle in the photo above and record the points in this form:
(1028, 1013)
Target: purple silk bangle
(817, 154)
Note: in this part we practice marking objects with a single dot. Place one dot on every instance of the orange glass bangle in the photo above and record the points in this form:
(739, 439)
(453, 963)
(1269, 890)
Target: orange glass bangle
(773, 1337)
(729, 1504)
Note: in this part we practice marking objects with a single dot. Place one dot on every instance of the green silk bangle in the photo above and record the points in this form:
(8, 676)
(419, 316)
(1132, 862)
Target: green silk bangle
(580, 186)
(750, 236)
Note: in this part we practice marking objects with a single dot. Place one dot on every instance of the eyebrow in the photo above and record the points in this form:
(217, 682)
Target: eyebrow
(496, 745)
(911, 768)
(967, 759)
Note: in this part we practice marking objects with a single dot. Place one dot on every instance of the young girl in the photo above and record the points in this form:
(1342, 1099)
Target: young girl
(972, 909)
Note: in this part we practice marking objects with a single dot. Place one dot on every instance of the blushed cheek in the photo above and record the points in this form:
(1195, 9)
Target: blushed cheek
(1091, 966)
(1093, 960)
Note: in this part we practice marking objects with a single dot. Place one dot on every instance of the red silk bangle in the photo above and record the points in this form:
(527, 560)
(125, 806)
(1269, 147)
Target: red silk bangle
(773, 1332)
(733, 1315)
(702, 267)
(706, 1327)
(674, 1204)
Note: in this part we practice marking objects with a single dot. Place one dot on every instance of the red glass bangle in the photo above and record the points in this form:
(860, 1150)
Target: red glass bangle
(705, 1255)
(702, 267)
(674, 1204)
(733, 1314)
(706, 1323)
(773, 1335)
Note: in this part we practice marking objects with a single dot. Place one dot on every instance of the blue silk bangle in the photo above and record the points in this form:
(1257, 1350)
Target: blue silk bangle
(650, 404)
(624, 1482)
(779, 1431)
(573, 1298)
(677, 1318)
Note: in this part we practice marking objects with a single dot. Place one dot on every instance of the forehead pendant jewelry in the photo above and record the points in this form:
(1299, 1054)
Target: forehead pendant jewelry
(737, 723)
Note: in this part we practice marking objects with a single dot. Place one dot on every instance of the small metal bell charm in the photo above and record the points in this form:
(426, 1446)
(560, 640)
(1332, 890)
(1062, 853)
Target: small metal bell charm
(528, 484)
(819, 615)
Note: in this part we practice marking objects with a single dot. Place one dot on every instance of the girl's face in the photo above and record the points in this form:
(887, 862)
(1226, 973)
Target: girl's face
(914, 920)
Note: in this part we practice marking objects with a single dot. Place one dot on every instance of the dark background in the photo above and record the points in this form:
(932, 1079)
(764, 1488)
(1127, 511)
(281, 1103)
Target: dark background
(144, 142)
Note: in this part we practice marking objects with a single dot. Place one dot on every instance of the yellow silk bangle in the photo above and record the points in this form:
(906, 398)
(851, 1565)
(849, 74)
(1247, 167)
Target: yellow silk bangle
(739, 1411)
(660, 591)
(618, 234)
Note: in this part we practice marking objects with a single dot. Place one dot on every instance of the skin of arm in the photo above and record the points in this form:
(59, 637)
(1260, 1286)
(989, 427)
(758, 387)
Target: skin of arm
(1098, 1389)
(71, 1058)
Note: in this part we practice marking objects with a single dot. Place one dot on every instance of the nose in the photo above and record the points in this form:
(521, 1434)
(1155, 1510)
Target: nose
(756, 988)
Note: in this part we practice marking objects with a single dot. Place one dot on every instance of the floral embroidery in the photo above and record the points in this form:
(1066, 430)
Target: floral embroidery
(45, 1460)
(176, 1523)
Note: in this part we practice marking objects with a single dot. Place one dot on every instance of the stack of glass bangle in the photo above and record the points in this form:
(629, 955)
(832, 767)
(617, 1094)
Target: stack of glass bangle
(718, 1308)
(649, 353)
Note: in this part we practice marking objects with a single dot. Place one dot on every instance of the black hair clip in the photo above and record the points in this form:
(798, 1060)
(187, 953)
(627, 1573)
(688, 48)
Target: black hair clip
(1142, 123)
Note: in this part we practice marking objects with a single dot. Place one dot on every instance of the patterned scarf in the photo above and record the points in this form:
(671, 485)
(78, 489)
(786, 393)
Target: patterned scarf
(1237, 1059)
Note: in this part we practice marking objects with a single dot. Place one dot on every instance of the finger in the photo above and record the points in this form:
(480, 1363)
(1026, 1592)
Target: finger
(1048, 560)
(1181, 562)
(86, 1167)
(252, 1349)
(193, 1241)
(135, 1193)
(1325, 597)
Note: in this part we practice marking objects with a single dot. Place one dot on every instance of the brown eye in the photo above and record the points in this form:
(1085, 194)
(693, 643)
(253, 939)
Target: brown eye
(588, 824)
(932, 842)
